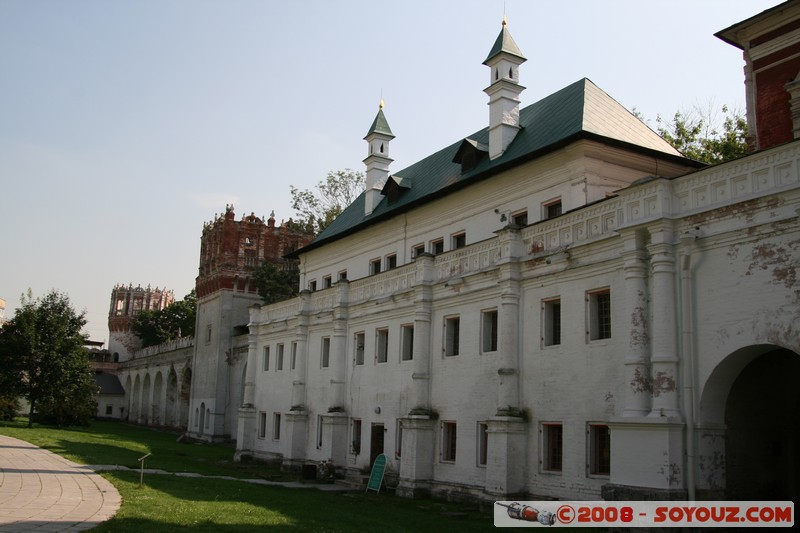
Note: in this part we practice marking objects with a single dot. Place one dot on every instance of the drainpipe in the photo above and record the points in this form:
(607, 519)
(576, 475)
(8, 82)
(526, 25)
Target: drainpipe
(687, 326)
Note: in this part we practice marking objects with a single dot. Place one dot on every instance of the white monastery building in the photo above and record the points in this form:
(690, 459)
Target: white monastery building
(559, 305)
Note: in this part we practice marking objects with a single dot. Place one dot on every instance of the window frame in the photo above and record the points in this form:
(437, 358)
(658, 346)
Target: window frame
(359, 348)
(407, 342)
(520, 218)
(374, 266)
(325, 352)
(390, 262)
(437, 246)
(552, 333)
(276, 426)
(482, 444)
(598, 304)
(490, 339)
(448, 449)
(551, 205)
(382, 345)
(265, 359)
(552, 460)
(458, 240)
(598, 446)
(451, 336)
(262, 424)
(356, 436)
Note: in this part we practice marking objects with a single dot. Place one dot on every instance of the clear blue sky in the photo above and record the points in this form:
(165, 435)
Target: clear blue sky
(124, 126)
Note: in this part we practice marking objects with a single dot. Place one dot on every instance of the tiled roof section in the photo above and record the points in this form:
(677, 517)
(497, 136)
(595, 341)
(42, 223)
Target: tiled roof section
(380, 125)
(504, 43)
(577, 111)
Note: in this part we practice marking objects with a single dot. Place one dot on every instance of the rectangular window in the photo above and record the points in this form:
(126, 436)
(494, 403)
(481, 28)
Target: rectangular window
(448, 442)
(266, 358)
(458, 240)
(109, 410)
(375, 266)
(398, 439)
(279, 360)
(599, 450)
(452, 325)
(489, 330)
(382, 345)
(552, 321)
(407, 342)
(356, 443)
(312, 285)
(599, 314)
(359, 348)
(483, 443)
(417, 250)
(326, 282)
(279, 352)
(437, 246)
(520, 218)
(319, 431)
(262, 425)
(208, 334)
(551, 209)
(326, 352)
(391, 261)
(343, 275)
(276, 426)
(293, 360)
(552, 447)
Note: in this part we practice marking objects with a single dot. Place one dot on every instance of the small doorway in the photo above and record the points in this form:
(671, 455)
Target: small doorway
(375, 443)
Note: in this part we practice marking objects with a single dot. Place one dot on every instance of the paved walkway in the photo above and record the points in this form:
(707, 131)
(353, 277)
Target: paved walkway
(42, 491)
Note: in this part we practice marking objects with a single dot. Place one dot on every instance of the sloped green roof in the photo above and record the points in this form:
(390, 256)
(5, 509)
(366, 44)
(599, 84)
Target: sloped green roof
(580, 110)
(504, 43)
(380, 125)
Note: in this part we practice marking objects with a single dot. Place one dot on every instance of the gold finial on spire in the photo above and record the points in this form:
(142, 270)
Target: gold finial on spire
(380, 105)
(505, 21)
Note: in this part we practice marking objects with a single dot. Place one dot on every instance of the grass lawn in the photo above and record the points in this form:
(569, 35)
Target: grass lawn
(171, 503)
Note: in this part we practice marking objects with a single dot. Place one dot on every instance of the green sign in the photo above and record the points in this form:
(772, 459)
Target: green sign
(376, 477)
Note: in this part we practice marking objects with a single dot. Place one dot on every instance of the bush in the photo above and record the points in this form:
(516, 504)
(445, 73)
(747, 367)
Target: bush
(9, 407)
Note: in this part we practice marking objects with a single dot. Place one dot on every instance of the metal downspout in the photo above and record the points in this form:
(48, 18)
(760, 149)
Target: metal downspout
(687, 327)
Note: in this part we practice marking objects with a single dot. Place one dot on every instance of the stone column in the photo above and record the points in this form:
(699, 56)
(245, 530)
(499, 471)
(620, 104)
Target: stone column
(338, 348)
(419, 435)
(637, 358)
(664, 357)
(246, 429)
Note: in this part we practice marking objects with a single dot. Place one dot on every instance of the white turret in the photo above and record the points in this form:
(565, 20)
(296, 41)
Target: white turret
(377, 160)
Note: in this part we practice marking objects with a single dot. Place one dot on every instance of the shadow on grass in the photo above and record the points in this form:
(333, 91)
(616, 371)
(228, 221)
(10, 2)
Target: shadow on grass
(170, 503)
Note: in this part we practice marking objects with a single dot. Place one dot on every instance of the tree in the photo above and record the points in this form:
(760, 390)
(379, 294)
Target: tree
(43, 359)
(175, 320)
(275, 283)
(699, 135)
(317, 209)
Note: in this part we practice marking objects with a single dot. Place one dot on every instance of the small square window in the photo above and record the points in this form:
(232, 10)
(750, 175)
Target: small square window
(552, 322)
(459, 241)
(359, 348)
(520, 219)
(452, 326)
(599, 450)
(326, 352)
(375, 266)
(489, 331)
(449, 436)
(312, 285)
(417, 250)
(407, 342)
(391, 261)
(552, 446)
(437, 247)
(552, 209)
(327, 282)
(483, 443)
(599, 314)
(343, 275)
(382, 346)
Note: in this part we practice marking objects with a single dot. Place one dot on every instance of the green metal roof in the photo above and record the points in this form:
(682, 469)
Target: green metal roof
(380, 125)
(504, 43)
(580, 110)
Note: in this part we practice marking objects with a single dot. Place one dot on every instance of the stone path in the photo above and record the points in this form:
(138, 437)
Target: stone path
(42, 491)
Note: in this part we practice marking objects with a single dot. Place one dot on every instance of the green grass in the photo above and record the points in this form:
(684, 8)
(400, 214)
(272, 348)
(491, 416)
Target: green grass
(172, 503)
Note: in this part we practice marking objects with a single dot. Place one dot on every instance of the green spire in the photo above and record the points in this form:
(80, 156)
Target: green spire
(504, 43)
(380, 124)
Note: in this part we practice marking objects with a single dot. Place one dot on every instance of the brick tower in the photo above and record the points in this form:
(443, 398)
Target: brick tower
(127, 302)
(230, 250)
